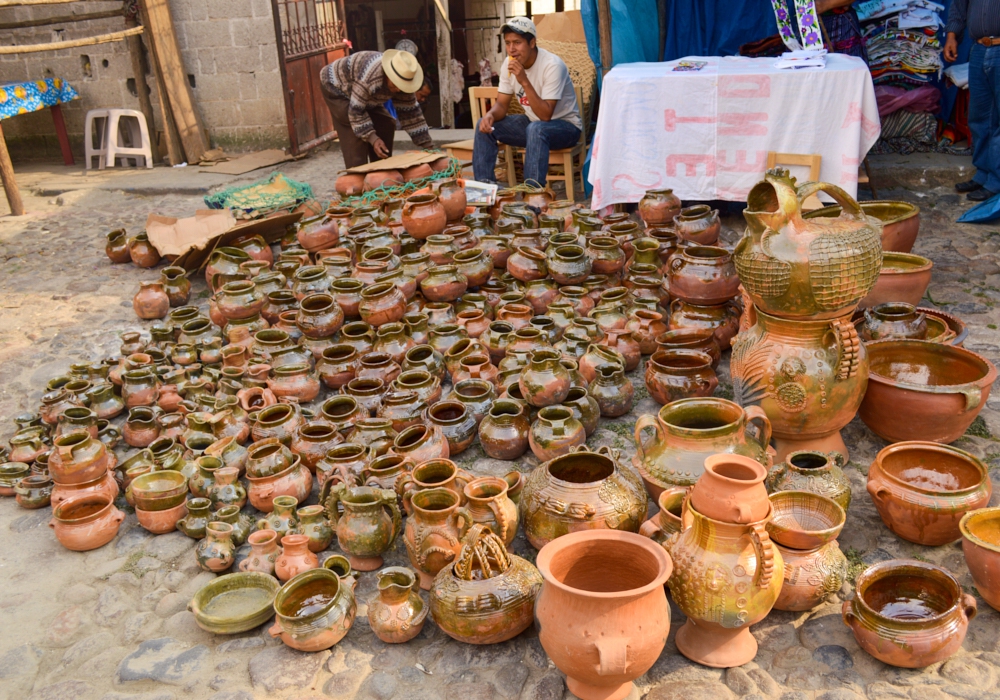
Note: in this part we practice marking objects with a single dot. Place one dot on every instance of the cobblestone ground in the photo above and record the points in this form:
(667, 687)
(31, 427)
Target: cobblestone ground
(113, 623)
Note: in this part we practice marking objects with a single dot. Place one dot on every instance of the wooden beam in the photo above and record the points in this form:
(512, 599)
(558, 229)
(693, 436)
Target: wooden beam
(163, 39)
(61, 19)
(17, 3)
(141, 88)
(7, 177)
(443, 36)
(73, 43)
(604, 31)
(174, 151)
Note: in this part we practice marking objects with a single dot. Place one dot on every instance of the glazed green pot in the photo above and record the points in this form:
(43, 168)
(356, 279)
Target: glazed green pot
(235, 603)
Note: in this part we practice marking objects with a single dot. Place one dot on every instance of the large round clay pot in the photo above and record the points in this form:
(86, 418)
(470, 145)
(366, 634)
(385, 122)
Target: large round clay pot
(295, 480)
(920, 390)
(582, 490)
(86, 522)
(909, 613)
(727, 577)
(811, 576)
(703, 275)
(722, 319)
(922, 490)
(731, 489)
(904, 277)
(688, 431)
(589, 614)
(151, 301)
(424, 215)
(698, 224)
(368, 525)
(555, 432)
(434, 530)
(679, 374)
(808, 376)
(451, 194)
(105, 486)
(900, 221)
(76, 458)
(806, 268)
(659, 207)
(314, 610)
(981, 546)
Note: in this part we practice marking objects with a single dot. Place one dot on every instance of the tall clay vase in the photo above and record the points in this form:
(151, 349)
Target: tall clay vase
(368, 525)
(600, 627)
(809, 377)
(728, 577)
(434, 532)
(397, 613)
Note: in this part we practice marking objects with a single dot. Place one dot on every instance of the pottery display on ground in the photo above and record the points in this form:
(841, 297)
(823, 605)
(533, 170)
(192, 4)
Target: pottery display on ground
(602, 613)
(919, 390)
(981, 547)
(922, 490)
(397, 613)
(909, 613)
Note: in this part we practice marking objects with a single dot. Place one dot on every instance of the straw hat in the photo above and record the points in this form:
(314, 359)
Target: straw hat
(402, 69)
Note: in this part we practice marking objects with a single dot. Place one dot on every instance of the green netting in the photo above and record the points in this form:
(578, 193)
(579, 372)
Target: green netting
(265, 196)
(382, 193)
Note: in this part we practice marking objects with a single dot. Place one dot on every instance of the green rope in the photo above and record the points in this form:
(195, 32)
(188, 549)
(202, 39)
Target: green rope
(383, 192)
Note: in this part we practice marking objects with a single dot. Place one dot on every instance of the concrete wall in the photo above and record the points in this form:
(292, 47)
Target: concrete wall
(228, 47)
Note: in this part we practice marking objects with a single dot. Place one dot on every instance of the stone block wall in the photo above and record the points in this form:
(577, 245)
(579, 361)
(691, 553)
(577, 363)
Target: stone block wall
(229, 52)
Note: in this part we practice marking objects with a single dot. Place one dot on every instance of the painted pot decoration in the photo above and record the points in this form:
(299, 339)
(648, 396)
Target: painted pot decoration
(981, 546)
(817, 472)
(582, 490)
(434, 530)
(397, 613)
(909, 613)
(688, 431)
(811, 576)
(904, 278)
(922, 490)
(809, 377)
(589, 614)
(314, 610)
(806, 268)
(488, 595)
(921, 390)
(727, 577)
(86, 522)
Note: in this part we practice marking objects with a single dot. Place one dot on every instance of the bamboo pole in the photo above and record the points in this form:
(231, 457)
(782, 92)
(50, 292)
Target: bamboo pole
(73, 43)
(61, 19)
(7, 177)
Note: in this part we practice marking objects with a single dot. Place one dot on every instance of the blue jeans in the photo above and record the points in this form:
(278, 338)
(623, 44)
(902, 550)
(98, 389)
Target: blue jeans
(984, 114)
(536, 138)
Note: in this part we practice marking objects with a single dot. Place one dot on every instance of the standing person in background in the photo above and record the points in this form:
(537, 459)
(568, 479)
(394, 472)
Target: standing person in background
(356, 89)
(982, 19)
(540, 81)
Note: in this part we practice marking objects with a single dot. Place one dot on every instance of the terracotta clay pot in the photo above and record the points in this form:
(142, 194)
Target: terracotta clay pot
(817, 472)
(77, 457)
(555, 432)
(434, 473)
(703, 275)
(451, 194)
(350, 184)
(381, 304)
(545, 381)
(919, 390)
(811, 576)
(314, 611)
(31, 491)
(264, 551)
(489, 505)
(601, 631)
(688, 431)
(382, 178)
(981, 546)
(722, 319)
(612, 390)
(503, 434)
(160, 522)
(731, 490)
(434, 530)
(698, 224)
(444, 283)
(667, 520)
(922, 490)
(176, 285)
(424, 215)
(680, 374)
(295, 557)
(368, 525)
(295, 480)
(487, 596)
(659, 207)
(117, 247)
(85, 522)
(455, 422)
(909, 613)
(900, 221)
(904, 277)
(142, 252)
(151, 301)
(895, 320)
(397, 613)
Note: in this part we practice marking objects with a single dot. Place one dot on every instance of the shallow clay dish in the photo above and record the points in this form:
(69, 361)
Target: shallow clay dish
(904, 277)
(981, 546)
(955, 325)
(919, 390)
(804, 520)
(235, 602)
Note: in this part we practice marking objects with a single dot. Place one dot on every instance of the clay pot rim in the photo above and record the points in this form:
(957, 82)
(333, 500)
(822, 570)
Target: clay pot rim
(168, 512)
(712, 462)
(916, 263)
(695, 211)
(296, 464)
(974, 539)
(547, 553)
(351, 450)
(483, 384)
(700, 253)
(447, 403)
(894, 347)
(254, 579)
(264, 536)
(795, 537)
(346, 284)
(109, 503)
(321, 573)
(834, 210)
(377, 290)
(915, 445)
(7, 469)
(162, 475)
(389, 571)
(658, 359)
(896, 567)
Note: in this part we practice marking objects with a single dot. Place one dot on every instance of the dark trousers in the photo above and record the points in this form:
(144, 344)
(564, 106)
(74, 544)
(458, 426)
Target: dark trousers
(358, 151)
(984, 114)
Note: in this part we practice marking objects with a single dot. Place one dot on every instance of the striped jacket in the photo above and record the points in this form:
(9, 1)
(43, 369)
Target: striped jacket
(359, 78)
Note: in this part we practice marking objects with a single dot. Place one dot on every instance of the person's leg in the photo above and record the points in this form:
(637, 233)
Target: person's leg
(542, 137)
(355, 150)
(991, 67)
(980, 113)
(511, 130)
(385, 127)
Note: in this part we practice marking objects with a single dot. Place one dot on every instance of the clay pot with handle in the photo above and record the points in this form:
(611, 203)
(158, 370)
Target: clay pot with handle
(368, 524)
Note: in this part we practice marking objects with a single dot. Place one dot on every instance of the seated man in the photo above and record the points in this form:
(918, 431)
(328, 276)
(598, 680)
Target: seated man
(540, 81)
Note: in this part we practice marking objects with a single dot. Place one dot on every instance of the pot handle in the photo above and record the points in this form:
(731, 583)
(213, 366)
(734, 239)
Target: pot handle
(389, 501)
(878, 493)
(765, 553)
(118, 516)
(653, 531)
(332, 501)
(969, 606)
(265, 490)
(847, 203)
(649, 421)
(275, 629)
(837, 458)
(467, 521)
(613, 655)
(758, 418)
(676, 263)
(973, 395)
(673, 305)
(848, 348)
(847, 614)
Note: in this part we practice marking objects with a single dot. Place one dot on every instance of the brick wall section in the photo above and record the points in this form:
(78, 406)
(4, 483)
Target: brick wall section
(227, 45)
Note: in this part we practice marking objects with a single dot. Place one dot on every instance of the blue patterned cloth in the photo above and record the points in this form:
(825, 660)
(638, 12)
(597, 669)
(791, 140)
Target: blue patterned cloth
(33, 95)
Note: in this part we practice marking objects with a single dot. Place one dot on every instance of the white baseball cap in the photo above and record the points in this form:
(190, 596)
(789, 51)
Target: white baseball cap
(522, 25)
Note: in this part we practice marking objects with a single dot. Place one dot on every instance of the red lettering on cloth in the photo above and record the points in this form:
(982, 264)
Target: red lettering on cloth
(743, 124)
(671, 120)
(690, 162)
(741, 164)
(744, 86)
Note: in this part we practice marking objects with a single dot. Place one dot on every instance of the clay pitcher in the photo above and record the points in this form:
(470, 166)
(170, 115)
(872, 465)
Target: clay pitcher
(434, 531)
(602, 629)
(397, 613)
(368, 525)
(490, 505)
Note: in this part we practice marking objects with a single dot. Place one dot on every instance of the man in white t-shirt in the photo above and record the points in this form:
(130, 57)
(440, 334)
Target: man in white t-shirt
(540, 82)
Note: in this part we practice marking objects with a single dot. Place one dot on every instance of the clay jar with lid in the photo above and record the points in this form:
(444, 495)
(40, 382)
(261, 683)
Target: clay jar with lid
(659, 207)
(381, 303)
(909, 613)
(424, 215)
(703, 275)
(923, 489)
(680, 374)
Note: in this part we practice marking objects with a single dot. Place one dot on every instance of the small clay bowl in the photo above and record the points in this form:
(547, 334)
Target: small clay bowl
(904, 277)
(160, 522)
(160, 490)
(981, 546)
(235, 602)
(804, 520)
(919, 390)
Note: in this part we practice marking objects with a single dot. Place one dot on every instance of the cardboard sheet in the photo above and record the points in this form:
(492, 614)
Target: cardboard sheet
(251, 161)
(175, 237)
(400, 162)
(561, 26)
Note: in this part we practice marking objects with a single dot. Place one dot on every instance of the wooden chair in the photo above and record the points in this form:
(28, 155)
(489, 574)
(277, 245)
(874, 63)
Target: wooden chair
(481, 99)
(812, 161)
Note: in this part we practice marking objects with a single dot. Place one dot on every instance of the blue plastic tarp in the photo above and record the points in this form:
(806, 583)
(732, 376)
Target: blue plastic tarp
(715, 27)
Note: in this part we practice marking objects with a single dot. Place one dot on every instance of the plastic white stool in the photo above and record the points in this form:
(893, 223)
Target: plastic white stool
(138, 145)
(98, 150)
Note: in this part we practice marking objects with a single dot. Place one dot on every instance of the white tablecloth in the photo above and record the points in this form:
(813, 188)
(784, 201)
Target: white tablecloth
(706, 134)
